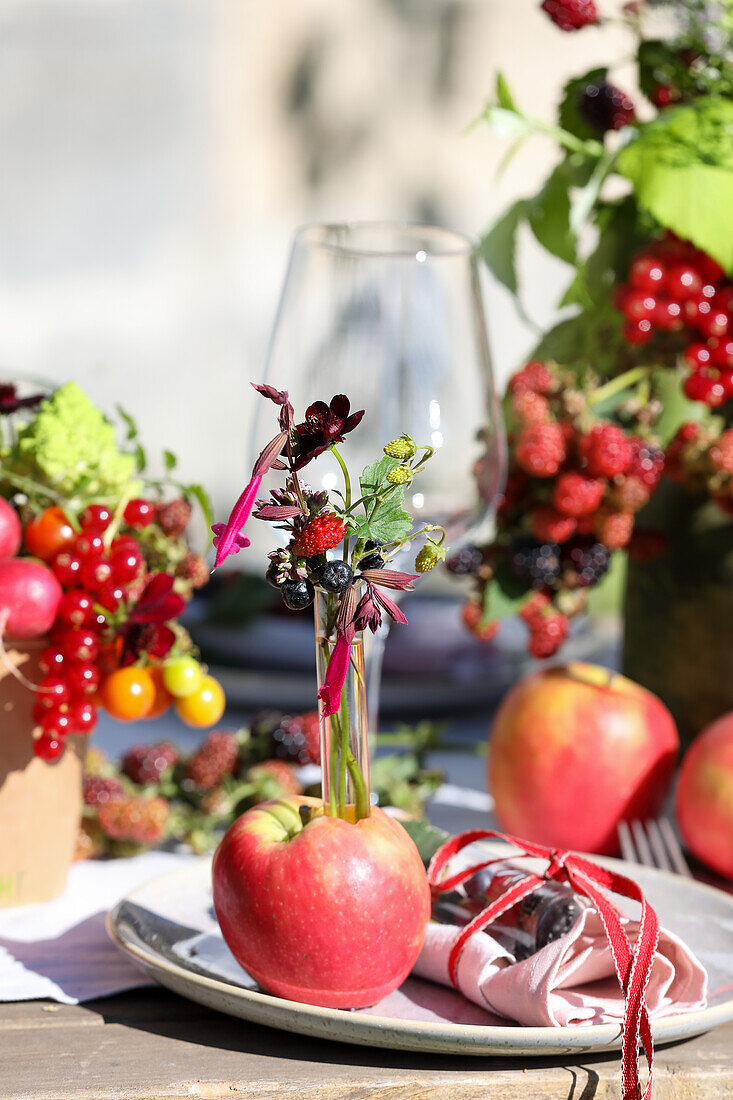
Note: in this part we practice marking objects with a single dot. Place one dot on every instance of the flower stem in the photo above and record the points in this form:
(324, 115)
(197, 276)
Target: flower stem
(617, 385)
(347, 492)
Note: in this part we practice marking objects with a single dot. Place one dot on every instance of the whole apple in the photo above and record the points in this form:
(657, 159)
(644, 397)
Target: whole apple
(704, 802)
(576, 749)
(318, 909)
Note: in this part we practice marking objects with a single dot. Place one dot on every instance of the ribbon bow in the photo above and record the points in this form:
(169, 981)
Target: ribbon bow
(633, 964)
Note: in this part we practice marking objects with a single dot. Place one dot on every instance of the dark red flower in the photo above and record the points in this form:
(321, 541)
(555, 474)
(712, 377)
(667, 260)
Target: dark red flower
(10, 402)
(323, 426)
(144, 630)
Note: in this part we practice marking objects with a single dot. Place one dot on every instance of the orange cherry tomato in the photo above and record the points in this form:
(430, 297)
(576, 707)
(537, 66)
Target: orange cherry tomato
(49, 533)
(128, 694)
(162, 699)
(205, 707)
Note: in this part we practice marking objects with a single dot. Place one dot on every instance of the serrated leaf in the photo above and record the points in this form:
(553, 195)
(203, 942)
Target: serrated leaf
(170, 460)
(681, 167)
(569, 117)
(374, 477)
(503, 95)
(132, 432)
(498, 247)
(621, 232)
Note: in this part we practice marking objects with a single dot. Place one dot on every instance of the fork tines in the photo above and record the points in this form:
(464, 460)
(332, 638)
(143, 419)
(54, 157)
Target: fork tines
(652, 843)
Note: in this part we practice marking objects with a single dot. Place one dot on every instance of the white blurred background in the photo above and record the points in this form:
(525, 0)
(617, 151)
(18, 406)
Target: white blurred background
(156, 156)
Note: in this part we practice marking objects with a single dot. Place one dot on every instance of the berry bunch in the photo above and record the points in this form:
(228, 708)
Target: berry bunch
(674, 288)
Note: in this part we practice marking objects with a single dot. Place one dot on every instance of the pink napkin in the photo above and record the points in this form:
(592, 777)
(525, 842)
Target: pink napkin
(570, 981)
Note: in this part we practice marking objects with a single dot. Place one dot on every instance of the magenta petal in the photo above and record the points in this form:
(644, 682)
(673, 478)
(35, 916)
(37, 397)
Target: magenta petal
(228, 538)
(333, 685)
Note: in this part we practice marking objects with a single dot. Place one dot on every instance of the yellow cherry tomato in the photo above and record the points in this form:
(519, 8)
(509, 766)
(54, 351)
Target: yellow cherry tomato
(182, 676)
(204, 707)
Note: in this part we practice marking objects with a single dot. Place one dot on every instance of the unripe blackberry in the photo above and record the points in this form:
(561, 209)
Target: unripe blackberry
(605, 107)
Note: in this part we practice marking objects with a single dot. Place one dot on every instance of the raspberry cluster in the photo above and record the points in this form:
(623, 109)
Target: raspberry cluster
(702, 459)
(674, 288)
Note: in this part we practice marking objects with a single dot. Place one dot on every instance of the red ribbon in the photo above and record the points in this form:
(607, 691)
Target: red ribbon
(633, 964)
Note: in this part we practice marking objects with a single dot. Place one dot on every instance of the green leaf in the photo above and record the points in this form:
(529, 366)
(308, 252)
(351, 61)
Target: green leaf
(681, 166)
(426, 837)
(507, 123)
(659, 63)
(549, 215)
(676, 407)
(132, 432)
(569, 117)
(374, 477)
(621, 233)
(170, 460)
(204, 502)
(503, 595)
(593, 339)
(389, 521)
(498, 247)
(141, 460)
(503, 95)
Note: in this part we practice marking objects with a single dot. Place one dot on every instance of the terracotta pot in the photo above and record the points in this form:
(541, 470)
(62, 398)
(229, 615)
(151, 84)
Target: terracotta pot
(678, 632)
(40, 803)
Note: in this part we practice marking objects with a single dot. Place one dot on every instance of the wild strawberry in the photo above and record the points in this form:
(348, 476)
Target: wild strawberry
(472, 614)
(430, 556)
(193, 569)
(279, 779)
(549, 525)
(146, 763)
(547, 633)
(215, 759)
(614, 529)
(400, 475)
(322, 533)
(97, 789)
(571, 15)
(605, 451)
(578, 495)
(541, 450)
(534, 377)
(530, 407)
(721, 452)
(174, 516)
(402, 448)
(136, 819)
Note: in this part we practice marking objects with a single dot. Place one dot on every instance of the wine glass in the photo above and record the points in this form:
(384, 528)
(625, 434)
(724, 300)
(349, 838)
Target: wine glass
(392, 315)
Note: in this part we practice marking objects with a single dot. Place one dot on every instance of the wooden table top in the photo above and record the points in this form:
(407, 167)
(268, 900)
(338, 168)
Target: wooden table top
(151, 1044)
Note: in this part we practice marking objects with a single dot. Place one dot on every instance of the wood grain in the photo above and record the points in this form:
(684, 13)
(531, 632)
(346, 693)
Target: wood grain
(152, 1045)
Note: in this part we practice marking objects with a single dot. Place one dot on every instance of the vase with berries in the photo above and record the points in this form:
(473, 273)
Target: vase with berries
(95, 570)
(341, 856)
(621, 424)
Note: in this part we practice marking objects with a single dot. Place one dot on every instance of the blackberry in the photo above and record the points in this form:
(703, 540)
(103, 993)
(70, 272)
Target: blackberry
(289, 741)
(372, 561)
(584, 560)
(538, 564)
(465, 562)
(605, 107)
(298, 594)
(335, 576)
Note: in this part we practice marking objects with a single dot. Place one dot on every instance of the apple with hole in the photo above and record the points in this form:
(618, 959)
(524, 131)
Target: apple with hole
(576, 749)
(704, 801)
(318, 909)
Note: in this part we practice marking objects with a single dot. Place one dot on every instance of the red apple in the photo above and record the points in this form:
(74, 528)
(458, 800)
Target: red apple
(704, 801)
(575, 750)
(10, 532)
(317, 909)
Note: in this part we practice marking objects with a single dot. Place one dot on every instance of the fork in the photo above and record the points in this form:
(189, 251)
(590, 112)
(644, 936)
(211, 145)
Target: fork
(652, 843)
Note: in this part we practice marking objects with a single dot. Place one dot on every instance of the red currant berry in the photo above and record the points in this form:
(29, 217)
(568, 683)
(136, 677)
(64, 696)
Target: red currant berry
(51, 659)
(48, 747)
(80, 645)
(709, 268)
(726, 381)
(694, 309)
(67, 568)
(97, 517)
(683, 282)
(82, 718)
(639, 305)
(126, 564)
(123, 544)
(111, 595)
(88, 545)
(638, 332)
(708, 291)
(95, 573)
(76, 607)
(668, 315)
(139, 513)
(647, 274)
(56, 722)
(99, 622)
(82, 678)
(721, 351)
(714, 323)
(698, 386)
(697, 356)
(53, 691)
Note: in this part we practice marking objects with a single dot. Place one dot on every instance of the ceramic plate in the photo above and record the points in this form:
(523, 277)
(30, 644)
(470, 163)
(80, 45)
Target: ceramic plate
(169, 930)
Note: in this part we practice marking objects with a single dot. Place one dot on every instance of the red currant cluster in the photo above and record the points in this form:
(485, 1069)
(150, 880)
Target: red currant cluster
(103, 575)
(675, 288)
(573, 489)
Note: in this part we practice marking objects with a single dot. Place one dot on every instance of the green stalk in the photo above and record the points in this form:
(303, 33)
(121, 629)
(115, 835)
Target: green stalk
(347, 492)
(621, 382)
(344, 748)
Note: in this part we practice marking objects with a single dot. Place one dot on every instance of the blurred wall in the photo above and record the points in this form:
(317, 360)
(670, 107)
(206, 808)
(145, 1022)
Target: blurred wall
(157, 154)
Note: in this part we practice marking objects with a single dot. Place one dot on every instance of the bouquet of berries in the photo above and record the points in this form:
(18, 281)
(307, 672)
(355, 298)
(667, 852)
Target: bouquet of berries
(636, 384)
(351, 591)
(105, 573)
